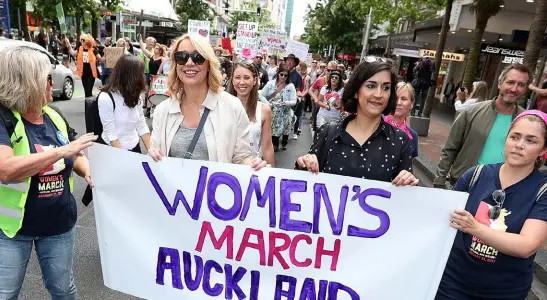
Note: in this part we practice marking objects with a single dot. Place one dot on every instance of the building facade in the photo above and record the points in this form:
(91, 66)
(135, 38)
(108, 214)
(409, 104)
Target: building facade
(288, 18)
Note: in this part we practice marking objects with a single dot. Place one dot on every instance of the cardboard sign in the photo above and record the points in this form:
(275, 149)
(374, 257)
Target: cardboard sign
(202, 28)
(247, 36)
(299, 49)
(189, 229)
(112, 55)
(273, 39)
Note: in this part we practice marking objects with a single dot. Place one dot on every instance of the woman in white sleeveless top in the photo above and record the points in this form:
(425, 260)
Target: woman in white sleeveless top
(244, 84)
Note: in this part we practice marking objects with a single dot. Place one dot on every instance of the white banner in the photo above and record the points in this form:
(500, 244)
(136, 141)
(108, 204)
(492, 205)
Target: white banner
(406, 52)
(246, 36)
(273, 39)
(186, 229)
(202, 28)
(299, 49)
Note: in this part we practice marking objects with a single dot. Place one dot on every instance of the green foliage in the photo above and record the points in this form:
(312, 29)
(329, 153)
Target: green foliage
(86, 9)
(264, 20)
(328, 24)
(193, 10)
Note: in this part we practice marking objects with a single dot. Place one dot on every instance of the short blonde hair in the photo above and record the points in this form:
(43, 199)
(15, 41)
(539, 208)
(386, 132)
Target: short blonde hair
(120, 42)
(402, 85)
(88, 39)
(24, 87)
(214, 80)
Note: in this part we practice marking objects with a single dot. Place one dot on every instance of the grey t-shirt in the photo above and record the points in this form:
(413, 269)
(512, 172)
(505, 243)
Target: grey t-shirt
(181, 141)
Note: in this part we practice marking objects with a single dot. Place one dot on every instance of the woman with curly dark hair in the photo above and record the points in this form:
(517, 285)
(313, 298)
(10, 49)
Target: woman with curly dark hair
(120, 106)
(363, 145)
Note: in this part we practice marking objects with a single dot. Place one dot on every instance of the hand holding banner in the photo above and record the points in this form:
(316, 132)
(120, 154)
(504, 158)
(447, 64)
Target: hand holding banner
(187, 229)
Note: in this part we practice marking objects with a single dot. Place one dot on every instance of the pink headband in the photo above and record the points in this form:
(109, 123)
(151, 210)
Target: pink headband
(533, 112)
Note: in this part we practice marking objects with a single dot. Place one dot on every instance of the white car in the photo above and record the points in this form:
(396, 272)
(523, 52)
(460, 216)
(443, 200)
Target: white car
(62, 76)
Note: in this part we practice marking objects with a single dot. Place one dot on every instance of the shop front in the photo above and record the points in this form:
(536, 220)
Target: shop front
(452, 66)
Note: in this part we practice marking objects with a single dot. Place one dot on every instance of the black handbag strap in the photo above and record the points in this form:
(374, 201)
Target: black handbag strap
(190, 152)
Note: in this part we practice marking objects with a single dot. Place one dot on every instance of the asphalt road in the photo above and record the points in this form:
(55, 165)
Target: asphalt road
(87, 263)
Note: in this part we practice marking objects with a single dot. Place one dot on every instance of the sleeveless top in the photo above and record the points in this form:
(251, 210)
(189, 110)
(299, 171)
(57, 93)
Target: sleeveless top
(255, 132)
(154, 66)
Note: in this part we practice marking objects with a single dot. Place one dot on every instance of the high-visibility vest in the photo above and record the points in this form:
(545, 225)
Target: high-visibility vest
(12, 199)
(80, 61)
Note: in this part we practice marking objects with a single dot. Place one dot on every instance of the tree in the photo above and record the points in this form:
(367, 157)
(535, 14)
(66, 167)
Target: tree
(483, 10)
(264, 20)
(199, 10)
(86, 10)
(535, 39)
(428, 107)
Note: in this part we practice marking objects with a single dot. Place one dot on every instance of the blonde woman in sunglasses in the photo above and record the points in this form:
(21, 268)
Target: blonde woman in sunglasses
(504, 221)
(200, 121)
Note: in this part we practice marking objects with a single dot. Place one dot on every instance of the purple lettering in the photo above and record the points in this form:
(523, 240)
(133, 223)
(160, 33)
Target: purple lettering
(255, 285)
(279, 292)
(192, 283)
(334, 287)
(382, 215)
(179, 197)
(323, 284)
(217, 288)
(269, 194)
(320, 191)
(216, 210)
(232, 281)
(308, 290)
(173, 265)
(285, 222)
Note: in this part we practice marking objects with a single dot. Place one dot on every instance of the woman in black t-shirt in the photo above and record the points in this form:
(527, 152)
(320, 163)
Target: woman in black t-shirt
(363, 145)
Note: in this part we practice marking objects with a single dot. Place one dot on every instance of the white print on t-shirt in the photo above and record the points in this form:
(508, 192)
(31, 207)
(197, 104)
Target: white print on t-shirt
(50, 184)
(86, 57)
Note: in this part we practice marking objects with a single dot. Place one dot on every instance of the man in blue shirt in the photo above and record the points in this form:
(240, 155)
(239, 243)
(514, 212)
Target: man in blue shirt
(292, 61)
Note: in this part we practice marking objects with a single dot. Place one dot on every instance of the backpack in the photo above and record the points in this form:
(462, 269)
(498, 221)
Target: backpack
(542, 189)
(10, 121)
(93, 122)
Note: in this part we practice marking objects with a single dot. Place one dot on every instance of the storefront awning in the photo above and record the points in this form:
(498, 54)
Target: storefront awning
(158, 8)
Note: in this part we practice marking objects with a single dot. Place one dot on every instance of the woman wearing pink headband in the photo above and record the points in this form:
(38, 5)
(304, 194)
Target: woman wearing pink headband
(504, 222)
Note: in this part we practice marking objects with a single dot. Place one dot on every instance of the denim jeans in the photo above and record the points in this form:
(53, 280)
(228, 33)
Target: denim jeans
(55, 255)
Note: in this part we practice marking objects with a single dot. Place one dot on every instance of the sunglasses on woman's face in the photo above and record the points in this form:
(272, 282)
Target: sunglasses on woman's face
(335, 77)
(181, 57)
(283, 75)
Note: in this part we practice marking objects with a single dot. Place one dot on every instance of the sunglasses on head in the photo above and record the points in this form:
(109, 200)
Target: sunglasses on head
(181, 57)
(371, 59)
(499, 198)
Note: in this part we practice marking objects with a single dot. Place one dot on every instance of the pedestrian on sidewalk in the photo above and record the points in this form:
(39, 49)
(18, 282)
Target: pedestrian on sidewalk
(281, 95)
(363, 145)
(87, 57)
(244, 83)
(479, 94)
(200, 121)
(478, 133)
(398, 119)
(504, 221)
(38, 154)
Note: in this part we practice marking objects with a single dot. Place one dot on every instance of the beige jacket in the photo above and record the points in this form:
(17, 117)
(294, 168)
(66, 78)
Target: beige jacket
(226, 129)
(466, 139)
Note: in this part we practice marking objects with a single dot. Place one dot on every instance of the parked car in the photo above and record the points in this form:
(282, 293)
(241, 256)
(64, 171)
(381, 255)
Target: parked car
(62, 76)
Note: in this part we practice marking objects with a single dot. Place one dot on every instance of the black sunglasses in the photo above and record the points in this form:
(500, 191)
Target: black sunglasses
(499, 198)
(332, 70)
(283, 74)
(181, 57)
(49, 79)
(335, 77)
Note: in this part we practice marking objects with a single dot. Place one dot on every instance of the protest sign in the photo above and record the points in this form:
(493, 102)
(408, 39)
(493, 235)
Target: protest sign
(246, 36)
(273, 39)
(61, 17)
(188, 229)
(299, 49)
(112, 55)
(202, 28)
(159, 89)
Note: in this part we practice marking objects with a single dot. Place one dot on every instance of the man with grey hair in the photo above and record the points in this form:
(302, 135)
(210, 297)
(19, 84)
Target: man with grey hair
(478, 133)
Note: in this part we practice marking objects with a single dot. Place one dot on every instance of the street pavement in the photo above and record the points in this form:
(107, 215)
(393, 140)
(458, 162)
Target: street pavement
(87, 263)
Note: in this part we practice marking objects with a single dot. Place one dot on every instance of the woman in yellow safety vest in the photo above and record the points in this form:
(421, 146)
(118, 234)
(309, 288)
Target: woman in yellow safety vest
(38, 152)
(86, 62)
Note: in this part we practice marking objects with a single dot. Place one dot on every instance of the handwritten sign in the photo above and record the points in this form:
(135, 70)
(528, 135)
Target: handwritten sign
(202, 28)
(273, 39)
(159, 89)
(246, 36)
(188, 229)
(112, 55)
(299, 49)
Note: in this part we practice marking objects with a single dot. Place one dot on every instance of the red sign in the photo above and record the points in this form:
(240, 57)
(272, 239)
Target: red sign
(227, 44)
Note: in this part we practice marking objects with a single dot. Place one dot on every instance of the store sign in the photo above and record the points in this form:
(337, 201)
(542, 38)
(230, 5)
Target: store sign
(509, 55)
(406, 52)
(446, 55)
